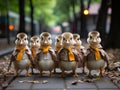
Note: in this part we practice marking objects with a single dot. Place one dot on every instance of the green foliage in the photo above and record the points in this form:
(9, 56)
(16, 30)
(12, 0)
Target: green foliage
(43, 10)
(47, 11)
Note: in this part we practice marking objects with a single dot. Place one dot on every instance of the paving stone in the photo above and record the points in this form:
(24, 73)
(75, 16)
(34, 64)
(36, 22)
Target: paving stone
(80, 89)
(16, 85)
(83, 85)
(109, 89)
(53, 83)
(118, 85)
(48, 89)
(105, 83)
(6, 51)
(57, 83)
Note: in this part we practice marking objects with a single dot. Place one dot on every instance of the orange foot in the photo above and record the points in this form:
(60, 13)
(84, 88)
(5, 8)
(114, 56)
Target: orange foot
(90, 76)
(50, 75)
(84, 73)
(62, 75)
(40, 74)
(75, 75)
(17, 74)
(27, 74)
(43, 72)
(102, 75)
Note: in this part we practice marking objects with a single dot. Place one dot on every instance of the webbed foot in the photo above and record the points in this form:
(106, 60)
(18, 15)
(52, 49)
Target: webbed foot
(27, 74)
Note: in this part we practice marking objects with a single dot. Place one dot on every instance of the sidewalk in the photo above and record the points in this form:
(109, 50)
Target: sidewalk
(5, 48)
(58, 83)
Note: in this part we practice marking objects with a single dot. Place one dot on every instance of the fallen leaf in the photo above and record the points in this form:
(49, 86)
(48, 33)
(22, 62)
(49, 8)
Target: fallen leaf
(45, 81)
(89, 80)
(30, 81)
(35, 81)
(64, 89)
(97, 79)
(21, 81)
(76, 82)
(80, 81)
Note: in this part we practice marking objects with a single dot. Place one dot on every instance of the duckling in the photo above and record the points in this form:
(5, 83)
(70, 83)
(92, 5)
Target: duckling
(34, 46)
(21, 56)
(81, 50)
(58, 43)
(68, 58)
(46, 57)
(58, 46)
(97, 58)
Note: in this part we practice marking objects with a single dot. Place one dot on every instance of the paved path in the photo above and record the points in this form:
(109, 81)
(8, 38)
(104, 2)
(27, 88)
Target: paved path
(58, 83)
(5, 48)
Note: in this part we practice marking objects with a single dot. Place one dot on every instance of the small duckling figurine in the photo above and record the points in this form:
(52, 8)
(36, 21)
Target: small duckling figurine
(96, 58)
(34, 46)
(21, 56)
(46, 57)
(58, 43)
(68, 59)
(81, 50)
(58, 46)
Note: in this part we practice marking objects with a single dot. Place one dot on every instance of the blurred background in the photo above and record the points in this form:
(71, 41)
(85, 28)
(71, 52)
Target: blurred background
(58, 16)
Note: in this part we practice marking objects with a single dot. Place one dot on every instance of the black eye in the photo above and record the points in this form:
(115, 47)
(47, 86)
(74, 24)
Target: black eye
(97, 36)
(71, 38)
(49, 38)
(90, 37)
(64, 39)
(25, 39)
(18, 39)
(57, 40)
(78, 39)
(41, 38)
(37, 41)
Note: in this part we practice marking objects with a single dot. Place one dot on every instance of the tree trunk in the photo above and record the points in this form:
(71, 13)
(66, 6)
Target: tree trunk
(83, 29)
(74, 23)
(101, 22)
(114, 34)
(22, 16)
(7, 22)
(89, 2)
(31, 15)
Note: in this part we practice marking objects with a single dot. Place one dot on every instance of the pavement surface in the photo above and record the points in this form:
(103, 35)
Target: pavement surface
(57, 83)
(6, 48)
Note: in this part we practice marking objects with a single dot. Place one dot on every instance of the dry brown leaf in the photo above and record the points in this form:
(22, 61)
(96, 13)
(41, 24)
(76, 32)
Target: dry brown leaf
(75, 82)
(89, 80)
(35, 81)
(30, 81)
(45, 81)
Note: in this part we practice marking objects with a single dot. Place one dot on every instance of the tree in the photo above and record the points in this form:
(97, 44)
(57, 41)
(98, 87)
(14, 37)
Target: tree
(74, 25)
(7, 22)
(22, 16)
(83, 30)
(114, 34)
(31, 15)
(101, 22)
